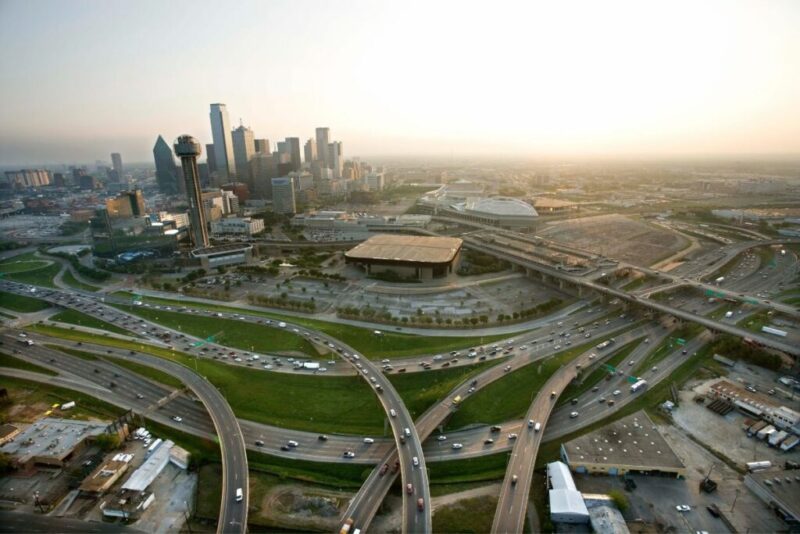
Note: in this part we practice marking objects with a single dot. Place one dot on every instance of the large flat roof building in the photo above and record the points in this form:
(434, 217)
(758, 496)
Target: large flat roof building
(566, 502)
(417, 257)
(630, 444)
(51, 441)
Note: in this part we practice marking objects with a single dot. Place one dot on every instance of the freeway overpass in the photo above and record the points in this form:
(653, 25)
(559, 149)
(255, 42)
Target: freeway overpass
(716, 326)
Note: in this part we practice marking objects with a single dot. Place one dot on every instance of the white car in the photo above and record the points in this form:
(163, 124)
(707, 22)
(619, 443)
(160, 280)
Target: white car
(415, 461)
(177, 418)
(282, 324)
(616, 392)
(369, 441)
(573, 415)
(457, 446)
(441, 438)
(683, 508)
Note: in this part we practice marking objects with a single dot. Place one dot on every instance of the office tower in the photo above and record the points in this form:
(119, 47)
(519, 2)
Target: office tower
(323, 139)
(310, 149)
(283, 148)
(212, 163)
(205, 176)
(374, 181)
(283, 196)
(239, 189)
(223, 144)
(262, 146)
(335, 158)
(28, 178)
(58, 180)
(188, 148)
(126, 205)
(295, 152)
(166, 171)
(244, 147)
(263, 169)
(116, 163)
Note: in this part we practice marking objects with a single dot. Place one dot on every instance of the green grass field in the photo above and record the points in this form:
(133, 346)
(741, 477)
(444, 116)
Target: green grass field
(22, 304)
(81, 319)
(510, 396)
(421, 390)
(477, 469)
(6, 360)
(327, 404)
(239, 334)
(30, 393)
(364, 340)
(28, 269)
(467, 516)
(71, 281)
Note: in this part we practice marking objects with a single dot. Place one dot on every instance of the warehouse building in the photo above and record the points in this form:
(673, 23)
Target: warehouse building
(51, 441)
(223, 255)
(780, 490)
(566, 502)
(407, 257)
(629, 445)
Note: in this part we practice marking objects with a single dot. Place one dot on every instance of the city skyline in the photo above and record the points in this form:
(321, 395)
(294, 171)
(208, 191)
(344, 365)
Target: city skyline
(520, 80)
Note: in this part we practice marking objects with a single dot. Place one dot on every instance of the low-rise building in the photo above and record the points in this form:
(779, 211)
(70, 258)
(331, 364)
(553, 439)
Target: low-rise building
(407, 256)
(779, 489)
(241, 226)
(632, 444)
(51, 441)
(7, 433)
(223, 255)
(103, 477)
(566, 502)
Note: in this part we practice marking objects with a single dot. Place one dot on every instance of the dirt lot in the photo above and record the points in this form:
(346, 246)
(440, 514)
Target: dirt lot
(617, 237)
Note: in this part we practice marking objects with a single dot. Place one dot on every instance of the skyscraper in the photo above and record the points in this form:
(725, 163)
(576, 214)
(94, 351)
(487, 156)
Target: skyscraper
(116, 163)
(294, 152)
(323, 139)
(188, 148)
(262, 146)
(335, 158)
(166, 171)
(310, 149)
(243, 149)
(223, 144)
(283, 196)
(212, 163)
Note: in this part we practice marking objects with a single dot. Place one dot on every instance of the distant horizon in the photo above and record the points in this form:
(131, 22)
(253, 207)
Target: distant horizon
(446, 159)
(525, 79)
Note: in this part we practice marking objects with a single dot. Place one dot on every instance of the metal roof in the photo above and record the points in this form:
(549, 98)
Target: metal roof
(406, 248)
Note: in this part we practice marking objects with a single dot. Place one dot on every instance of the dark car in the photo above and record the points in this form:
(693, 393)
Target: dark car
(495, 428)
(285, 448)
(323, 437)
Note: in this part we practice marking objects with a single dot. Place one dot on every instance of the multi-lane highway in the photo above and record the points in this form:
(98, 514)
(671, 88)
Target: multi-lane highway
(515, 491)
(233, 514)
(627, 297)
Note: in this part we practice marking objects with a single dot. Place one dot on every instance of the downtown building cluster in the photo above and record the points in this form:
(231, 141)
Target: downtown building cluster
(282, 173)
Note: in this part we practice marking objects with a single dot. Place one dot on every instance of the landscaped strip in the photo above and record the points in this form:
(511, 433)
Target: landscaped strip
(386, 345)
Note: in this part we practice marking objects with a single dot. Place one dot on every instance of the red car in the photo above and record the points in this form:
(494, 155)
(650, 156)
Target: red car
(409, 488)
(420, 504)
(383, 469)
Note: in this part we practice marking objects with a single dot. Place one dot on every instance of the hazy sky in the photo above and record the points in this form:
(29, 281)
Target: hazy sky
(80, 79)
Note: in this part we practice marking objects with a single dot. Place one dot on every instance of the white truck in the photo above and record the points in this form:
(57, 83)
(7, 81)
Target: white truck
(757, 466)
(639, 385)
(773, 331)
(777, 438)
(720, 279)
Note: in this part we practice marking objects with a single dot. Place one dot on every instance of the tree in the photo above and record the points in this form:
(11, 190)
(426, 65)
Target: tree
(620, 499)
(108, 442)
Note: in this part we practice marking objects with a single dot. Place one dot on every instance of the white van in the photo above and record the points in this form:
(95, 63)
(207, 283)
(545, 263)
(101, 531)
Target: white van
(537, 427)
(407, 431)
(239, 495)
(393, 413)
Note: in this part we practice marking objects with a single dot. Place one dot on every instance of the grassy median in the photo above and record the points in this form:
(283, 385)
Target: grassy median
(21, 303)
(386, 345)
(81, 319)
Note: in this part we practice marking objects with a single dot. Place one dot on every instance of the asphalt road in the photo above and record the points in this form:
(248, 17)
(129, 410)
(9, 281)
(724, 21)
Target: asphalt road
(233, 515)
(625, 296)
(514, 494)
(24, 522)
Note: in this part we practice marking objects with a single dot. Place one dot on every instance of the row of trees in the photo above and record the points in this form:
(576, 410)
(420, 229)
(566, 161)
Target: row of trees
(283, 301)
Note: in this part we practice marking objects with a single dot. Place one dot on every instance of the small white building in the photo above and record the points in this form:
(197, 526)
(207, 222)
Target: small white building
(243, 226)
(566, 502)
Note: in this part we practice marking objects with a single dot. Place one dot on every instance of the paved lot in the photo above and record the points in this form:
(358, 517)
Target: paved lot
(655, 498)
(724, 434)
(175, 490)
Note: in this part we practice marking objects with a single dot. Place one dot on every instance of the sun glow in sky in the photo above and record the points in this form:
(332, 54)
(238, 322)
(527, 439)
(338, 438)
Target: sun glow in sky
(81, 79)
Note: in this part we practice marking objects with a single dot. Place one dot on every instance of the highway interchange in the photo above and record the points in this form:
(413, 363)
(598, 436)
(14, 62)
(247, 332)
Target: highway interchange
(142, 393)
